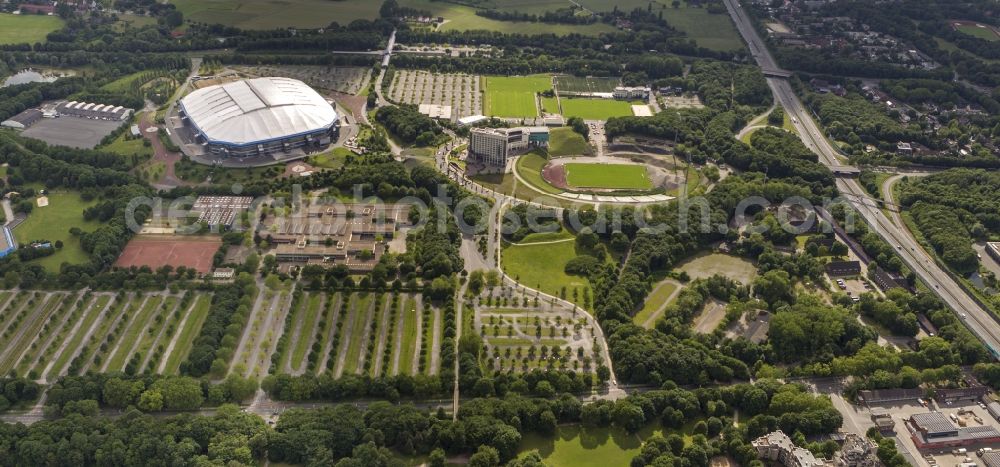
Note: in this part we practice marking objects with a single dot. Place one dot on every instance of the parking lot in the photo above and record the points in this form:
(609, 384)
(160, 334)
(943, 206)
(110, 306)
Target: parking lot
(74, 132)
(852, 286)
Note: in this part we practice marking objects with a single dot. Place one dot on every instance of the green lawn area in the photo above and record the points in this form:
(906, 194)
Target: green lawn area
(540, 237)
(301, 346)
(133, 148)
(529, 166)
(705, 265)
(596, 109)
(333, 159)
(408, 346)
(566, 142)
(654, 301)
(541, 266)
(52, 223)
(361, 306)
(187, 334)
(980, 32)
(514, 96)
(613, 176)
(551, 105)
(27, 29)
(575, 445)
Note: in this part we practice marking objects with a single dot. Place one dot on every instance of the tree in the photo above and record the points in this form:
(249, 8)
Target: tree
(437, 458)
(151, 401)
(119, 393)
(627, 415)
(485, 456)
(776, 117)
(774, 286)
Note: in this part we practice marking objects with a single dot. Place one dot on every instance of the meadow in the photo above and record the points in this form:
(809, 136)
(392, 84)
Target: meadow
(705, 265)
(52, 223)
(610, 176)
(586, 84)
(596, 109)
(21, 29)
(514, 96)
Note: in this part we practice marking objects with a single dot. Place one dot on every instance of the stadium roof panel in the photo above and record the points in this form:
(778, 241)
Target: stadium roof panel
(259, 109)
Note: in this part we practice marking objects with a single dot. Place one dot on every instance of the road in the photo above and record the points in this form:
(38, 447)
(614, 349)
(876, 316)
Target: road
(977, 318)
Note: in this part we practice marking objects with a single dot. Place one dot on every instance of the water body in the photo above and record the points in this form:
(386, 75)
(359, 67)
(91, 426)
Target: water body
(33, 76)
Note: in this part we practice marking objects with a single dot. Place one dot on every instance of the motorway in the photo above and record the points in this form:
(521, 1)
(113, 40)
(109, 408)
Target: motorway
(977, 319)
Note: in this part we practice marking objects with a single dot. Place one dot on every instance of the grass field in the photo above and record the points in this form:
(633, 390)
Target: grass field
(611, 176)
(661, 292)
(362, 304)
(588, 84)
(596, 109)
(708, 264)
(514, 96)
(308, 320)
(714, 32)
(21, 29)
(134, 149)
(566, 142)
(187, 334)
(975, 31)
(52, 223)
(408, 345)
(541, 266)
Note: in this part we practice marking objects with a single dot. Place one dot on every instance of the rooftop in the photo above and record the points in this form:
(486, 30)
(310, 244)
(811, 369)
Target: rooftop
(258, 109)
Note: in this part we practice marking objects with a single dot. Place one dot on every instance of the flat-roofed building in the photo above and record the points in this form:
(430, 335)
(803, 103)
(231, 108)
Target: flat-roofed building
(93, 111)
(933, 430)
(493, 146)
(634, 92)
(355, 235)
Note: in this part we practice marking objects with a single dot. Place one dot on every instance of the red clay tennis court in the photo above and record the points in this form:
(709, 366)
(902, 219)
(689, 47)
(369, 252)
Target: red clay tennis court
(193, 253)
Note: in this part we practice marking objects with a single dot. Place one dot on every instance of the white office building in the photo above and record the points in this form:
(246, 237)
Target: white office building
(493, 146)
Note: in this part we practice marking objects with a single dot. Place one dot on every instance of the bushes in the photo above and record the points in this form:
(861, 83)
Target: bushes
(946, 231)
(409, 125)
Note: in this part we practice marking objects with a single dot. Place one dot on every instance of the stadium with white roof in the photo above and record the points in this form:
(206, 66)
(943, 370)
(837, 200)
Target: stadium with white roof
(259, 116)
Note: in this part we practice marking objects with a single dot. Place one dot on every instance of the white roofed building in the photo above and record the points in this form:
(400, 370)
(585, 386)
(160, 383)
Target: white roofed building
(259, 116)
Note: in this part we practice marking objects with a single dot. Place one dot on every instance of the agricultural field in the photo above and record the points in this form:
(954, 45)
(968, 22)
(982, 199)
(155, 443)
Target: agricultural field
(52, 223)
(345, 80)
(27, 29)
(461, 92)
(46, 335)
(596, 109)
(608, 176)
(712, 31)
(576, 84)
(515, 96)
(272, 14)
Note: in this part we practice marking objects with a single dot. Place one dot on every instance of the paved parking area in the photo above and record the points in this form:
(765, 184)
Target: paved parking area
(80, 133)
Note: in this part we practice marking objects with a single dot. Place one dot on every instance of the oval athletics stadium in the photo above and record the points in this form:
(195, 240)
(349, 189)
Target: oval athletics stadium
(259, 117)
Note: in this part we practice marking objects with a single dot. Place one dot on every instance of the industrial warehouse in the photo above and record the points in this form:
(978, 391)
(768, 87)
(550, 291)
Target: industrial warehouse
(258, 117)
(69, 123)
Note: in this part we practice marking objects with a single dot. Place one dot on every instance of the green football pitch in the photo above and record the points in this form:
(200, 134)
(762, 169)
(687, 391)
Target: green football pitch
(609, 176)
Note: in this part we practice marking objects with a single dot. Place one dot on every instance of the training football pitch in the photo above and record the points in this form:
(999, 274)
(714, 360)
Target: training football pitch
(982, 32)
(514, 97)
(595, 109)
(609, 176)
